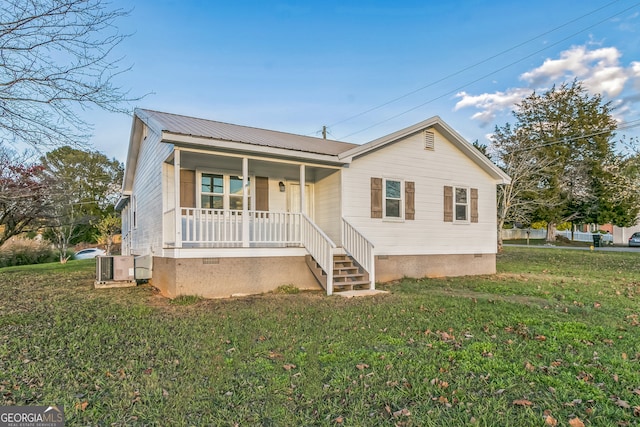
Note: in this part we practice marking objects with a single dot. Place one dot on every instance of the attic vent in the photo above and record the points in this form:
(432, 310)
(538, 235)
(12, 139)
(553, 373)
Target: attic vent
(429, 140)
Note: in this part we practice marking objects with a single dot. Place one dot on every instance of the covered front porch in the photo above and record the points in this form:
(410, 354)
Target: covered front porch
(225, 204)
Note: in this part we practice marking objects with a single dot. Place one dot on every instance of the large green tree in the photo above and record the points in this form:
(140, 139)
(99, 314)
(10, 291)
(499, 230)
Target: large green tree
(85, 189)
(571, 132)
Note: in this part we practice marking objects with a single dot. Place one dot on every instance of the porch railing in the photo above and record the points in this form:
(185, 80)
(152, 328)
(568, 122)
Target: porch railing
(275, 227)
(320, 247)
(225, 228)
(360, 249)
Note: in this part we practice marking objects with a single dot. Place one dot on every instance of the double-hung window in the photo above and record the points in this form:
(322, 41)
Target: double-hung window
(461, 204)
(393, 198)
(218, 191)
(212, 191)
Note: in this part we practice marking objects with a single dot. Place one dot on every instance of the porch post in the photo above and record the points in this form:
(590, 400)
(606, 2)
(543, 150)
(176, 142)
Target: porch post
(303, 196)
(245, 202)
(176, 183)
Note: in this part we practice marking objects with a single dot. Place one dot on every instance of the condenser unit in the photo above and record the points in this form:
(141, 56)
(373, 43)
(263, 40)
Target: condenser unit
(114, 271)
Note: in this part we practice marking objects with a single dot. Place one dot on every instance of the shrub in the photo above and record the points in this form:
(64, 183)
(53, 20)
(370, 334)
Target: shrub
(286, 289)
(186, 300)
(539, 225)
(26, 251)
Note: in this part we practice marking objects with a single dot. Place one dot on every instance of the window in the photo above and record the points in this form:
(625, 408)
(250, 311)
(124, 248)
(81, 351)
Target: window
(393, 198)
(461, 204)
(393, 201)
(221, 191)
(212, 191)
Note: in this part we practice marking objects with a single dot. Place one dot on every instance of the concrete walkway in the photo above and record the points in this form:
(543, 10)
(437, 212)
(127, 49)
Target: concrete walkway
(360, 293)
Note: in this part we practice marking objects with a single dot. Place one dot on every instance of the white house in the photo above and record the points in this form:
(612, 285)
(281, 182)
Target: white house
(224, 209)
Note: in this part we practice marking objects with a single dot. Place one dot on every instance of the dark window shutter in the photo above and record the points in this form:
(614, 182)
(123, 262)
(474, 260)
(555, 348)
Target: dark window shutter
(187, 188)
(474, 205)
(376, 197)
(409, 200)
(262, 193)
(448, 204)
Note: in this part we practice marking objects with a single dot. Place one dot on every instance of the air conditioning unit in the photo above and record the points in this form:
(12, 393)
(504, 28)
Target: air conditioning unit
(144, 267)
(114, 271)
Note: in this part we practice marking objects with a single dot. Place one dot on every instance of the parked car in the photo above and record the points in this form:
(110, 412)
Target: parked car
(634, 240)
(89, 253)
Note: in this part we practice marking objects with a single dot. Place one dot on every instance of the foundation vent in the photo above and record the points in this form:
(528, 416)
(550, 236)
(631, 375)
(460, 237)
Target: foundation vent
(211, 260)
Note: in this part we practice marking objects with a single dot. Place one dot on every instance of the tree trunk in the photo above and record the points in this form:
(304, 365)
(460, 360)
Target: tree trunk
(500, 225)
(551, 232)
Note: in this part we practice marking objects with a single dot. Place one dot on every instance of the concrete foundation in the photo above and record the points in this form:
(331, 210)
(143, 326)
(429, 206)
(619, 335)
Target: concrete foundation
(393, 267)
(225, 277)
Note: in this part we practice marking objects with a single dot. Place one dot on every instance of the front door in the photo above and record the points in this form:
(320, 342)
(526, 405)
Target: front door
(293, 198)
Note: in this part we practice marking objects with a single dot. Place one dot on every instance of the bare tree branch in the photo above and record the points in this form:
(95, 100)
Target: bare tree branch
(56, 60)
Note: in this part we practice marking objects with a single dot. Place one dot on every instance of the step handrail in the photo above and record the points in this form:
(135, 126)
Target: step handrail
(319, 246)
(360, 249)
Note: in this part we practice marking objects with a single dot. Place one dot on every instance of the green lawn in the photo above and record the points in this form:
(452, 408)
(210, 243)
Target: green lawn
(554, 337)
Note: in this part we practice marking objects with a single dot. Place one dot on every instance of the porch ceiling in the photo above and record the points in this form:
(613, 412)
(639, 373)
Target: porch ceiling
(257, 167)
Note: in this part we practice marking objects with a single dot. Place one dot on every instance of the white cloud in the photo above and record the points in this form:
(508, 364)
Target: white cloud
(600, 70)
(490, 103)
(593, 66)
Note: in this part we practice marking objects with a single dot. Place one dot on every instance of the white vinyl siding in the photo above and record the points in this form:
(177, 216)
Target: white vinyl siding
(431, 171)
(147, 190)
(328, 201)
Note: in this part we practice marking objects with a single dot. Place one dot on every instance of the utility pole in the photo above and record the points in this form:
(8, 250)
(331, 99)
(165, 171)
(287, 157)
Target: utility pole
(324, 132)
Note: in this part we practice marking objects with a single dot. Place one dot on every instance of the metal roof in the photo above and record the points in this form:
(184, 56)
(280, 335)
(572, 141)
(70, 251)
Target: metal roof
(213, 130)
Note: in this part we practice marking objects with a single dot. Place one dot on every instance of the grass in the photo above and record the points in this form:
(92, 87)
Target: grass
(554, 336)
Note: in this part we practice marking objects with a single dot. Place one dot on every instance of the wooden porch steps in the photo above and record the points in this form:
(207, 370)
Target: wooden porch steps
(347, 276)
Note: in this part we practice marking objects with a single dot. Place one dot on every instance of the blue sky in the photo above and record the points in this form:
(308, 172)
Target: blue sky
(368, 68)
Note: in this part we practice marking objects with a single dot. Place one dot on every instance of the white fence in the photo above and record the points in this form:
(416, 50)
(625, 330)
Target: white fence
(580, 236)
(577, 236)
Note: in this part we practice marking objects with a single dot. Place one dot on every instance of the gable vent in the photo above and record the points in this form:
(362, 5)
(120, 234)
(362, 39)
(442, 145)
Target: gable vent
(429, 140)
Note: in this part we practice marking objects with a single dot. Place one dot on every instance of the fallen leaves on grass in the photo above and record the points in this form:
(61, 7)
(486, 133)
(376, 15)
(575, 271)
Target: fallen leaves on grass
(576, 422)
(81, 406)
(288, 366)
(550, 421)
(402, 412)
(621, 403)
(362, 366)
(522, 402)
